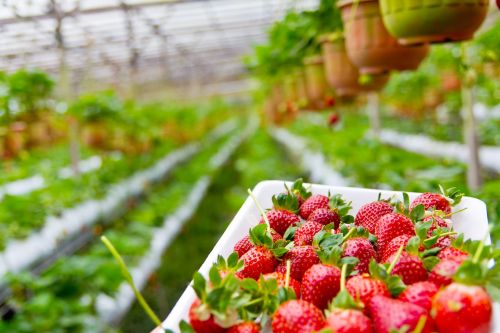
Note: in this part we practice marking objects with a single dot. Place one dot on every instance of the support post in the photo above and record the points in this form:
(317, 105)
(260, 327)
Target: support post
(474, 181)
(374, 114)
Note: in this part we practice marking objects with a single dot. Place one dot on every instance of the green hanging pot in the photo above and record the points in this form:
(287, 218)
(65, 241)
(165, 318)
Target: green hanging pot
(432, 21)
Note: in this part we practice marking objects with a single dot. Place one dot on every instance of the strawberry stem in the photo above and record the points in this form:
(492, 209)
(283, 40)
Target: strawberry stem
(346, 237)
(261, 210)
(420, 325)
(343, 277)
(287, 276)
(395, 260)
(128, 277)
(479, 250)
(453, 213)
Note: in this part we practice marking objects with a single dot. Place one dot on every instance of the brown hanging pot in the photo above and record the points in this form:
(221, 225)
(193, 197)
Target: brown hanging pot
(301, 89)
(95, 135)
(433, 21)
(370, 46)
(15, 140)
(316, 84)
(341, 73)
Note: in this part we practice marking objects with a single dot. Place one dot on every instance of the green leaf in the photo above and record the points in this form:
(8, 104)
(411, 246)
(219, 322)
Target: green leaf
(249, 284)
(417, 213)
(289, 234)
(232, 260)
(199, 285)
(214, 276)
(430, 262)
(185, 327)
(395, 285)
(413, 245)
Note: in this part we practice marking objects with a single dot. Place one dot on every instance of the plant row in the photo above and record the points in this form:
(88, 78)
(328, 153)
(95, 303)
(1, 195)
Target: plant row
(64, 297)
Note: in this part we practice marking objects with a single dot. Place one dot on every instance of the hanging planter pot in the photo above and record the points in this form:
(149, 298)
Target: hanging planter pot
(94, 135)
(15, 139)
(38, 133)
(370, 46)
(316, 84)
(436, 21)
(341, 73)
(301, 89)
(290, 94)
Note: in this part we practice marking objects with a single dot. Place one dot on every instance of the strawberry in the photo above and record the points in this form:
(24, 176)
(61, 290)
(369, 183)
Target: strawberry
(452, 253)
(391, 315)
(301, 258)
(369, 214)
(348, 321)
(325, 216)
(245, 244)
(246, 327)
(460, 308)
(345, 315)
(281, 279)
(361, 248)
(280, 220)
(442, 273)
(282, 216)
(259, 260)
(419, 293)
(393, 247)
(363, 288)
(409, 267)
(312, 203)
(391, 226)
(320, 284)
(306, 232)
(435, 201)
(297, 316)
(201, 320)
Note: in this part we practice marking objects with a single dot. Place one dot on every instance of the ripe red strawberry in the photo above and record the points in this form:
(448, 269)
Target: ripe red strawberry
(306, 232)
(297, 316)
(460, 308)
(369, 214)
(361, 248)
(420, 293)
(391, 226)
(311, 204)
(246, 327)
(349, 321)
(245, 244)
(363, 288)
(393, 247)
(441, 275)
(432, 201)
(391, 315)
(207, 325)
(301, 258)
(452, 253)
(280, 220)
(259, 260)
(325, 216)
(320, 284)
(281, 279)
(409, 267)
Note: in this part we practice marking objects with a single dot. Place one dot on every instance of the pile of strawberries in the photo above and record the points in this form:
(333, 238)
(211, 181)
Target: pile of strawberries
(309, 266)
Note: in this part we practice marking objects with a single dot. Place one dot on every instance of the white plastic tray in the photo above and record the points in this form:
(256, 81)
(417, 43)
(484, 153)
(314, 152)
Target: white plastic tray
(473, 222)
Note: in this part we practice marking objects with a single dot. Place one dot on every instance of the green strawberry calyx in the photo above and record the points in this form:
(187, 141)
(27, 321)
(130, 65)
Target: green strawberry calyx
(344, 300)
(341, 207)
(298, 189)
(286, 201)
(260, 235)
(383, 272)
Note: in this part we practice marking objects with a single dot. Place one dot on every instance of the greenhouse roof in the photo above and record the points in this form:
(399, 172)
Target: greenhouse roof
(115, 41)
